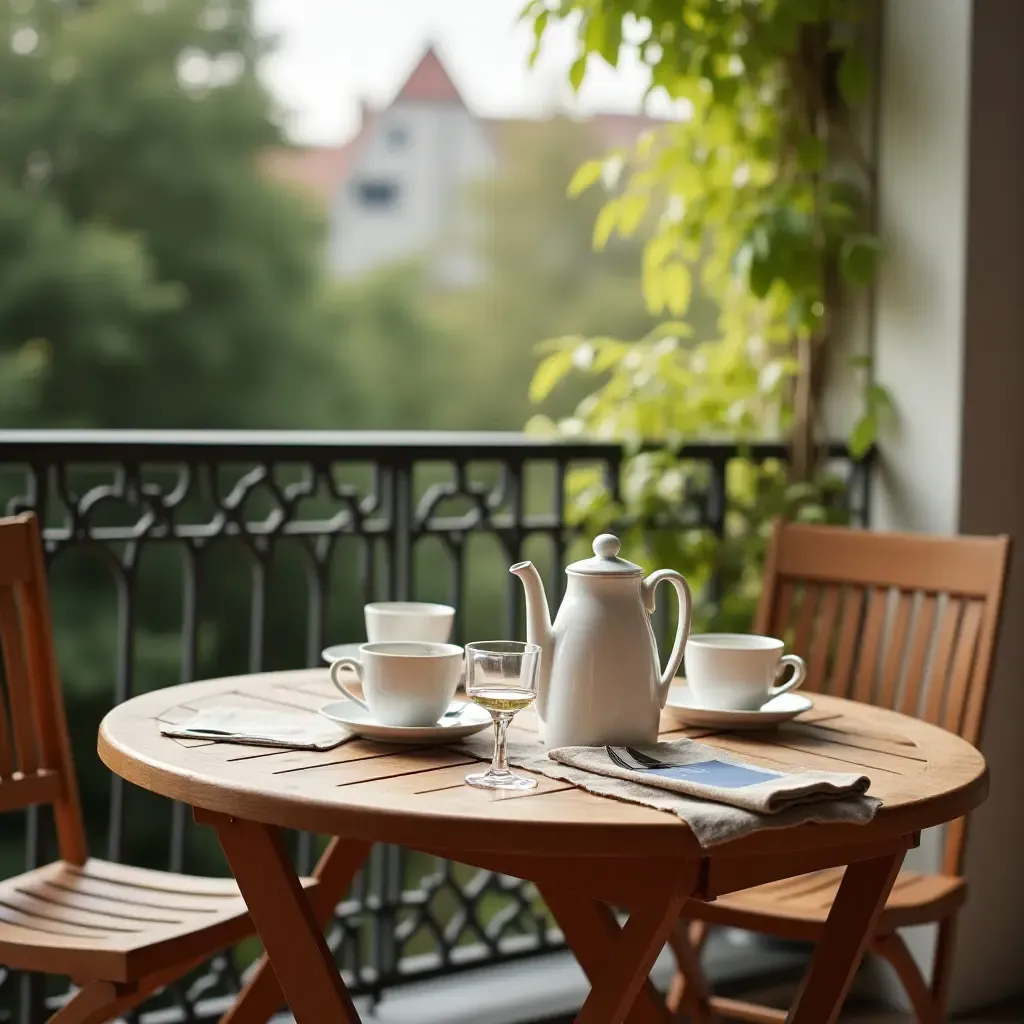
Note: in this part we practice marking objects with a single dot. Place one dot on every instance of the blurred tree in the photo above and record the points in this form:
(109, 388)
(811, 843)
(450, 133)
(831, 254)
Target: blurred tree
(542, 277)
(141, 249)
(152, 276)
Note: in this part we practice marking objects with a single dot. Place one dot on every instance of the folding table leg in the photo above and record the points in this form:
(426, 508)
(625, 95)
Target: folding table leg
(262, 997)
(861, 898)
(284, 919)
(618, 960)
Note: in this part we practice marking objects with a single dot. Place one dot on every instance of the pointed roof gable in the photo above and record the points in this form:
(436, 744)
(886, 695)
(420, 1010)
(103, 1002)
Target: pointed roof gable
(429, 82)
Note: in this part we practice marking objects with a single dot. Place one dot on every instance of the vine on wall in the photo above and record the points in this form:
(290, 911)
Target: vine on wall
(755, 200)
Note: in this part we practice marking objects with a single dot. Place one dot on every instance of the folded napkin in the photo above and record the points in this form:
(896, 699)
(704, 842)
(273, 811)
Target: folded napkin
(261, 728)
(693, 772)
(717, 795)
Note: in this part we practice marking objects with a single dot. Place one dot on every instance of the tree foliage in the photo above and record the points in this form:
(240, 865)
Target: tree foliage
(141, 246)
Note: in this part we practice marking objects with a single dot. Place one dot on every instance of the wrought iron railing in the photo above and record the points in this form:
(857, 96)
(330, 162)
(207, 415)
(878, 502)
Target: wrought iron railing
(180, 556)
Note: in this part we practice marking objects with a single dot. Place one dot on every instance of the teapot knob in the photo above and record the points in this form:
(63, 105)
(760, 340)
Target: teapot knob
(607, 545)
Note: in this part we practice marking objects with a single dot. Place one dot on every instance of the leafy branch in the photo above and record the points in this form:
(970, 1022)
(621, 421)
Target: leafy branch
(755, 201)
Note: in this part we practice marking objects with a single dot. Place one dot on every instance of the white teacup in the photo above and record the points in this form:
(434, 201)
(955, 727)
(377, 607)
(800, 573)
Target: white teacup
(408, 620)
(739, 671)
(405, 682)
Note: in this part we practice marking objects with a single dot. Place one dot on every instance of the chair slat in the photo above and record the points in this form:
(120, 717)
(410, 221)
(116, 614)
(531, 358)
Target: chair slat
(783, 610)
(870, 646)
(817, 663)
(18, 694)
(917, 658)
(938, 670)
(6, 753)
(842, 673)
(805, 620)
(928, 652)
(896, 645)
(963, 662)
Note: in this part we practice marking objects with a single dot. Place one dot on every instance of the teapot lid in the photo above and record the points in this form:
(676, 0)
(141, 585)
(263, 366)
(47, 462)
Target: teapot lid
(605, 561)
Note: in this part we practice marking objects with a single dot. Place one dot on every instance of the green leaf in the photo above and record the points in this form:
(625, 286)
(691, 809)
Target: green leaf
(540, 23)
(854, 77)
(657, 250)
(549, 373)
(604, 36)
(577, 72)
(585, 176)
(863, 435)
(631, 211)
(812, 153)
(761, 276)
(858, 259)
(678, 287)
(653, 284)
(880, 400)
(607, 221)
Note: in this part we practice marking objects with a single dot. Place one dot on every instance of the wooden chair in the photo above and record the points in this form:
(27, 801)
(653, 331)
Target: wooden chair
(119, 932)
(903, 621)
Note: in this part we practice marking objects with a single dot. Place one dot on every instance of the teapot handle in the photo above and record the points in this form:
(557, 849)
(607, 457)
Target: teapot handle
(682, 588)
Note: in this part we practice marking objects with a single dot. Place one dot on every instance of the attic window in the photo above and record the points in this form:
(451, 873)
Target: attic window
(376, 194)
(397, 137)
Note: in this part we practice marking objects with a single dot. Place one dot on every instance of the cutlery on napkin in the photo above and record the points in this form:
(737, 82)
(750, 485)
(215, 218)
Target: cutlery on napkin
(697, 770)
(259, 727)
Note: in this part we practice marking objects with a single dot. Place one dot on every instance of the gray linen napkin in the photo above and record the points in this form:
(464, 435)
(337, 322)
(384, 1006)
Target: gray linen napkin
(735, 804)
(261, 728)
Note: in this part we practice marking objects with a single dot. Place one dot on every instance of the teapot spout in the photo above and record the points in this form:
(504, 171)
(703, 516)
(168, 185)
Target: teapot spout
(538, 627)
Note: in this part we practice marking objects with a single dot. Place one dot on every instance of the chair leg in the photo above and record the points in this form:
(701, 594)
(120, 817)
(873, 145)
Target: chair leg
(689, 992)
(942, 969)
(892, 948)
(92, 1004)
(100, 1001)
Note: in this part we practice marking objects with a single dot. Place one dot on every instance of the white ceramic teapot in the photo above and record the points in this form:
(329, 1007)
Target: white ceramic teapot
(600, 677)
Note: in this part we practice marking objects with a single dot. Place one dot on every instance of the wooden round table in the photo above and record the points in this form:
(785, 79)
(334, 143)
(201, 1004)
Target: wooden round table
(582, 851)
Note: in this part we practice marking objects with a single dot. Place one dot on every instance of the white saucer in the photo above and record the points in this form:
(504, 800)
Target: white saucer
(682, 706)
(332, 654)
(357, 720)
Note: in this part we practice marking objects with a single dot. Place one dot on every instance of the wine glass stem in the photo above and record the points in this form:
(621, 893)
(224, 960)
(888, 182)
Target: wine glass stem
(500, 761)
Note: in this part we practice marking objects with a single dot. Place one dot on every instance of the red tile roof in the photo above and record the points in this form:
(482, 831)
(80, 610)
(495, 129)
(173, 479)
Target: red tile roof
(430, 82)
(318, 170)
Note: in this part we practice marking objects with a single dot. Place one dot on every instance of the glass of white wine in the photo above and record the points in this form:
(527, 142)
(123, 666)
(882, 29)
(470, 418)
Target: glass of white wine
(501, 676)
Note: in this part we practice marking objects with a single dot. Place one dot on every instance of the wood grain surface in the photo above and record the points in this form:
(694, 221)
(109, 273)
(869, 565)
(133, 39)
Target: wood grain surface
(416, 796)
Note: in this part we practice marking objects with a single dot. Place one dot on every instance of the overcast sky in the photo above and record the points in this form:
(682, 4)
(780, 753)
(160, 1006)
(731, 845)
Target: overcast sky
(332, 52)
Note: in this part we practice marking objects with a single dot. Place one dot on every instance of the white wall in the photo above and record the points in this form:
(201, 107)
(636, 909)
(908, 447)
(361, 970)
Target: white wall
(446, 148)
(948, 304)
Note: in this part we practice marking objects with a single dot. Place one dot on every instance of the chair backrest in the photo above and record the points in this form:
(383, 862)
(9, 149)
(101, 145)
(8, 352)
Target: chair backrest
(902, 621)
(35, 755)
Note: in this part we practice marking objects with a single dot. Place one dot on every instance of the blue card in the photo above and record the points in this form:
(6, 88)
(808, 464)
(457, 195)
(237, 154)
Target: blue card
(716, 773)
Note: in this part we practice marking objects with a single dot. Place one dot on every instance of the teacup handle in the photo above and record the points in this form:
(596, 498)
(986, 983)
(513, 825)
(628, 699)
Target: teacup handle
(799, 667)
(356, 666)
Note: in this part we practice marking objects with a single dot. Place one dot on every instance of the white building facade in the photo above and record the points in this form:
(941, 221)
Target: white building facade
(399, 187)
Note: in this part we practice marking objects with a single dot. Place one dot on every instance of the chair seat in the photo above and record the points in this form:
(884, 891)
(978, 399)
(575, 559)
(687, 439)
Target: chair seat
(797, 907)
(113, 922)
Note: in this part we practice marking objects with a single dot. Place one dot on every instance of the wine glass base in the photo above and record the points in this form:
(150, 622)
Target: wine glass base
(500, 780)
